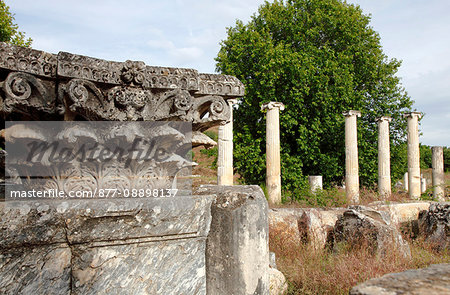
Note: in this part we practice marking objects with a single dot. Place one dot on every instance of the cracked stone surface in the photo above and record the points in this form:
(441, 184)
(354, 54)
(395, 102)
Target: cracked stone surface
(147, 246)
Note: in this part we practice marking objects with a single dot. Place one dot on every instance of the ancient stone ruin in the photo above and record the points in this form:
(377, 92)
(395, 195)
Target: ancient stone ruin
(211, 242)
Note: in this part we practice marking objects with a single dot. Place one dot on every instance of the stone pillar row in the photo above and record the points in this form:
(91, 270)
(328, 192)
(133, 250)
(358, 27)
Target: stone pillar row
(384, 172)
(273, 175)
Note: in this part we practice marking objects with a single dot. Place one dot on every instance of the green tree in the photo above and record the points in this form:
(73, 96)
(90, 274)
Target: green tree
(320, 58)
(446, 159)
(9, 31)
(425, 156)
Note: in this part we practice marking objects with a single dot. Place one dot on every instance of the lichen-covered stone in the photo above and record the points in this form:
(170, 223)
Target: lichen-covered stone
(305, 225)
(38, 269)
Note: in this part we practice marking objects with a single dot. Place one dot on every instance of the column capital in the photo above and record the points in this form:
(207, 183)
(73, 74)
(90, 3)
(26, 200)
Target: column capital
(271, 105)
(412, 115)
(383, 118)
(232, 101)
(351, 113)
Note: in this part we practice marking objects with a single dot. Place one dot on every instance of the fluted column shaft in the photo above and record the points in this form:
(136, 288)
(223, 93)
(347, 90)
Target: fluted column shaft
(384, 157)
(273, 169)
(438, 173)
(413, 154)
(225, 150)
(351, 157)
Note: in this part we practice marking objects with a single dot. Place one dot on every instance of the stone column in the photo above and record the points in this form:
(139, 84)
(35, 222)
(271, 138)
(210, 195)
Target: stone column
(225, 150)
(351, 157)
(438, 172)
(273, 171)
(315, 183)
(384, 157)
(423, 184)
(413, 154)
(405, 182)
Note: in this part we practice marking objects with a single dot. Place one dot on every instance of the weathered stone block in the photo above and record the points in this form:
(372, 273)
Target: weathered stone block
(116, 246)
(278, 283)
(433, 280)
(237, 249)
(364, 226)
(403, 212)
(434, 225)
(305, 225)
(165, 267)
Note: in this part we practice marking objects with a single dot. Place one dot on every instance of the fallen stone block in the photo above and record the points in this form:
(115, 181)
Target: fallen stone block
(401, 213)
(433, 280)
(315, 225)
(278, 283)
(305, 225)
(364, 226)
(434, 225)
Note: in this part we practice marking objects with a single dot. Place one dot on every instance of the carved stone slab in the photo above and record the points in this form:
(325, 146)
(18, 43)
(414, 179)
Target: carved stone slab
(143, 246)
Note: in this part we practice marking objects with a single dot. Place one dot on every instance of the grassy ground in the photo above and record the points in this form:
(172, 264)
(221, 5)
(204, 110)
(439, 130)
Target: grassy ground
(311, 271)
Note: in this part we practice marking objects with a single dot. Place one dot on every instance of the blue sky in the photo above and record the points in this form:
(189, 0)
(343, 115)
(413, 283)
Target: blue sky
(187, 33)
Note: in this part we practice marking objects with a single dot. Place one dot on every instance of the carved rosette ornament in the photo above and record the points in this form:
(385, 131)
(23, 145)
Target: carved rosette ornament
(133, 72)
(41, 85)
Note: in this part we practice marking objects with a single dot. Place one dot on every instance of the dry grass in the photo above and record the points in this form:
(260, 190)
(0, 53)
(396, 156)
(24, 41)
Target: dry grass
(310, 271)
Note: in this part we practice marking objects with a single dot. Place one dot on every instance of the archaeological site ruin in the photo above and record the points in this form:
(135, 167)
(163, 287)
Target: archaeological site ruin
(97, 193)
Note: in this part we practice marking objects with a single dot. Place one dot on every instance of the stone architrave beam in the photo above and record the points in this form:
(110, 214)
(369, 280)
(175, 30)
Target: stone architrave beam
(384, 161)
(351, 156)
(273, 170)
(413, 154)
(225, 150)
(67, 86)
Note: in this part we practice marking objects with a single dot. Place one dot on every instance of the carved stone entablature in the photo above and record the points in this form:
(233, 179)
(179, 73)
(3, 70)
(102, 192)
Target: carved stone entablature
(27, 60)
(40, 85)
(224, 85)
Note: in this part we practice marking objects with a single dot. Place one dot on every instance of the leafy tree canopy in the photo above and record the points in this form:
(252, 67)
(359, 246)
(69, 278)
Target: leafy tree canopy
(320, 58)
(9, 31)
